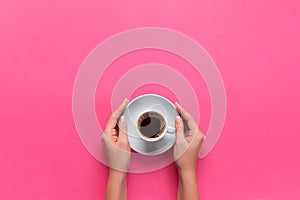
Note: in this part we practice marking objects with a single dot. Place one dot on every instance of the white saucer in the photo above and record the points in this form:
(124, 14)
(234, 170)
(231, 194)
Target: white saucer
(140, 105)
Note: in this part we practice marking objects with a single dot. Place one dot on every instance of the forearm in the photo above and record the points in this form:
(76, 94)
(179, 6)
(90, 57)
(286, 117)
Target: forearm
(187, 185)
(116, 186)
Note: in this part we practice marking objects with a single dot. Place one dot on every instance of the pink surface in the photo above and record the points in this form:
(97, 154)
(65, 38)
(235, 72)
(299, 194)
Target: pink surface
(255, 45)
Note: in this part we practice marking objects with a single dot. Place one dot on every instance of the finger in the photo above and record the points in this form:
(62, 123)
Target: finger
(118, 112)
(190, 122)
(112, 122)
(122, 130)
(198, 138)
(115, 138)
(202, 137)
(189, 138)
(107, 139)
(179, 129)
(114, 132)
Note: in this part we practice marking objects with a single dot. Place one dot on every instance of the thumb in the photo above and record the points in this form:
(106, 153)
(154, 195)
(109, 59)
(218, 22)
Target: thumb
(179, 129)
(122, 130)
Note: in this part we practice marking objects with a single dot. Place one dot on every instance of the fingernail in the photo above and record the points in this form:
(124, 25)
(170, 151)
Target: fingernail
(179, 106)
(177, 119)
(125, 100)
(122, 119)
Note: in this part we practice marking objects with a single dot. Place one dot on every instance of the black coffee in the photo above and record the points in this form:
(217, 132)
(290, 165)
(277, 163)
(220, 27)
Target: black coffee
(151, 124)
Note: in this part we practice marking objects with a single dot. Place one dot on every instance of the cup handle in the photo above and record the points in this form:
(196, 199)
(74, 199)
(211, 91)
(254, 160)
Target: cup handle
(170, 130)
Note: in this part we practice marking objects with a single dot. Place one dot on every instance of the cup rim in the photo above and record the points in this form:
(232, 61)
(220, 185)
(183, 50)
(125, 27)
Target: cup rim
(147, 139)
(155, 95)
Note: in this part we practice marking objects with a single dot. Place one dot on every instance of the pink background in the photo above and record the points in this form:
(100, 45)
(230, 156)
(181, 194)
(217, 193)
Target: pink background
(255, 45)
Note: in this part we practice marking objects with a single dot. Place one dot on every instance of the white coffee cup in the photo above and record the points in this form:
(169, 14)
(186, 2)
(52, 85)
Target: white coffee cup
(152, 125)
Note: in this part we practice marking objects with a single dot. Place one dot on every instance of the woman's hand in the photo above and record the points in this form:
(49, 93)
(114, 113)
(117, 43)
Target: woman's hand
(115, 140)
(189, 140)
(117, 151)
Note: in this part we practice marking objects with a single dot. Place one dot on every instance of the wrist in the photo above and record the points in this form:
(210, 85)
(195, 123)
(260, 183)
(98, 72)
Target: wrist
(186, 172)
(187, 184)
(116, 174)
